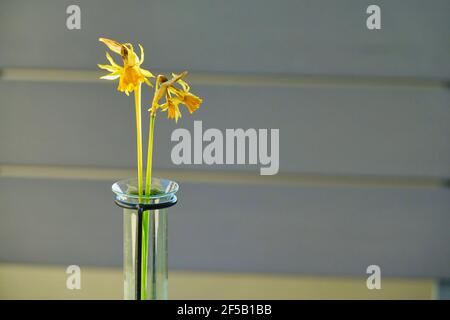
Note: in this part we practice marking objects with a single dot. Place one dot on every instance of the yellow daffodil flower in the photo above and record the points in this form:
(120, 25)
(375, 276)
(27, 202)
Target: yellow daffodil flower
(131, 74)
(174, 96)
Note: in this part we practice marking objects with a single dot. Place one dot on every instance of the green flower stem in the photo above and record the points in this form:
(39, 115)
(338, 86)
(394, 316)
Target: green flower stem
(144, 255)
(148, 175)
(146, 214)
(137, 101)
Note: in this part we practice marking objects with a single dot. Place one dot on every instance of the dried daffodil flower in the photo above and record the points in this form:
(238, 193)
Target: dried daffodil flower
(131, 77)
(174, 96)
(131, 74)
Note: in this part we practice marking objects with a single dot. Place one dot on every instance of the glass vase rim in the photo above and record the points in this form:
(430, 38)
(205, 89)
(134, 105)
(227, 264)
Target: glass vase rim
(171, 188)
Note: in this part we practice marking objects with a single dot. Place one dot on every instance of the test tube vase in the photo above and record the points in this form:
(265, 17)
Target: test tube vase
(145, 237)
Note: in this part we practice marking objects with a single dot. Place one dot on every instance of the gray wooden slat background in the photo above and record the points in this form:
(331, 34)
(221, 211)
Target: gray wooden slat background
(371, 130)
(287, 36)
(237, 228)
(378, 131)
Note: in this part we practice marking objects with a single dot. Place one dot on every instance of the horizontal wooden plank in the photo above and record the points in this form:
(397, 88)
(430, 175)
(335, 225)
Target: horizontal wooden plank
(337, 231)
(28, 281)
(332, 130)
(288, 36)
(228, 79)
(219, 177)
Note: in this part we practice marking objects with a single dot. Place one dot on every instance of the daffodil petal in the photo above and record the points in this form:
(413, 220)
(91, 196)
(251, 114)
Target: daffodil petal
(181, 82)
(147, 73)
(184, 85)
(141, 59)
(114, 46)
(111, 60)
(107, 67)
(110, 77)
(148, 82)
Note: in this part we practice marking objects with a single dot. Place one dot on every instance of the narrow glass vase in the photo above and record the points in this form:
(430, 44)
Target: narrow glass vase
(145, 234)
